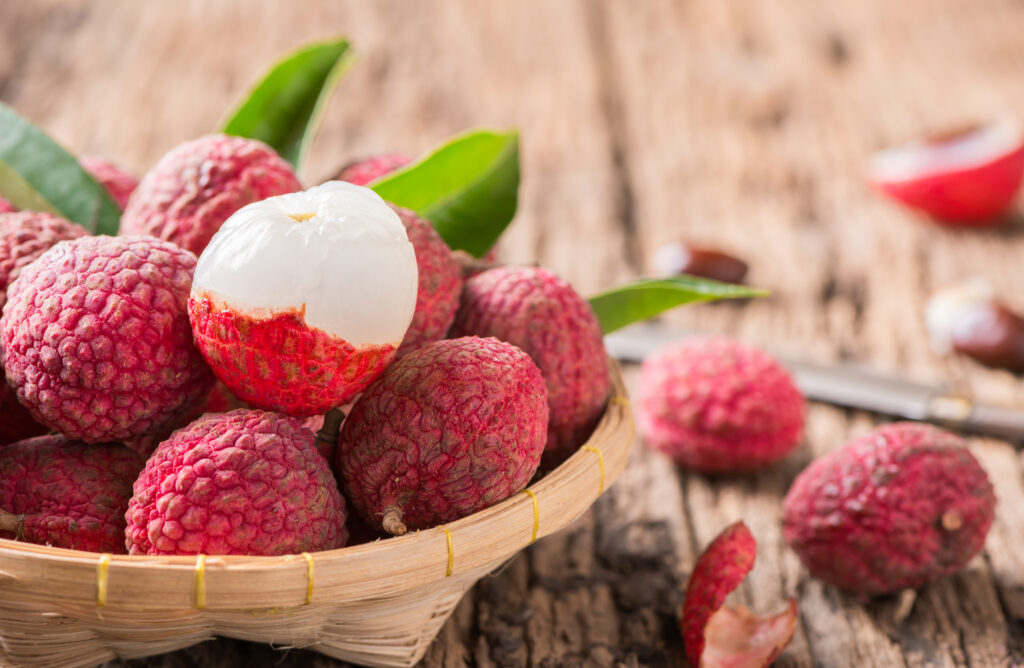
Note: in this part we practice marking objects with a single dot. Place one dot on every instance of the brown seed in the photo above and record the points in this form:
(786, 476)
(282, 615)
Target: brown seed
(676, 258)
(969, 320)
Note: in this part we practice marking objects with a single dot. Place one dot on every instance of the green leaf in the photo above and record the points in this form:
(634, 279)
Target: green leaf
(38, 175)
(646, 298)
(468, 188)
(285, 107)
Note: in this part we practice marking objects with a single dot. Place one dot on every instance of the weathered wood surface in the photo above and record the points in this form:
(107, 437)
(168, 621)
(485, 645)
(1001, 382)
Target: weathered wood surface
(741, 124)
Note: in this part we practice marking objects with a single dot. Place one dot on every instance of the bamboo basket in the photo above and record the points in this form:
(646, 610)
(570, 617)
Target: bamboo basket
(378, 604)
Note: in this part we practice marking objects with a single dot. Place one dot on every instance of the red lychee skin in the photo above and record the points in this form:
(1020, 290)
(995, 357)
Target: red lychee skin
(192, 190)
(718, 406)
(6, 206)
(448, 430)
(971, 196)
(26, 235)
(366, 171)
(96, 337)
(440, 284)
(279, 363)
(119, 183)
(244, 482)
(71, 494)
(894, 509)
(539, 312)
(719, 570)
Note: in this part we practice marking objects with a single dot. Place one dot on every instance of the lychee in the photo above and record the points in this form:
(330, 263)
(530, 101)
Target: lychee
(534, 309)
(26, 235)
(447, 430)
(970, 176)
(193, 189)
(301, 300)
(716, 635)
(119, 183)
(6, 206)
(440, 284)
(718, 406)
(893, 509)
(362, 172)
(244, 482)
(96, 338)
(66, 493)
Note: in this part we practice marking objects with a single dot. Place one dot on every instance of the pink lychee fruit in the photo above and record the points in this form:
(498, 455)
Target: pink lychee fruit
(6, 206)
(363, 172)
(26, 235)
(894, 509)
(718, 636)
(193, 189)
(96, 338)
(447, 430)
(440, 284)
(244, 482)
(118, 182)
(301, 300)
(539, 312)
(968, 177)
(66, 493)
(718, 406)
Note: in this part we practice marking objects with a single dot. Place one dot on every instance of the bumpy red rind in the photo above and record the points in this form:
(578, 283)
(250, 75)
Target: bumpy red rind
(69, 494)
(244, 482)
(894, 509)
(448, 430)
(365, 171)
(118, 182)
(537, 311)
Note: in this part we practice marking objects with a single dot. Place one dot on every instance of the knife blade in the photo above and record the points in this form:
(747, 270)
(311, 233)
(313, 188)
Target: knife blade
(853, 387)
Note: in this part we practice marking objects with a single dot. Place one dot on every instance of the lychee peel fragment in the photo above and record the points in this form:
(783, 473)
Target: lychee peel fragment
(244, 482)
(717, 636)
(446, 431)
(894, 509)
(66, 493)
(301, 300)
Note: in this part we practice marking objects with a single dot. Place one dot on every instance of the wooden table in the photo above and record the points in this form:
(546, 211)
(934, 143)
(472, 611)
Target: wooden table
(737, 123)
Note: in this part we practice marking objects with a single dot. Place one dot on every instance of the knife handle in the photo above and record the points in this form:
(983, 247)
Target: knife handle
(1006, 423)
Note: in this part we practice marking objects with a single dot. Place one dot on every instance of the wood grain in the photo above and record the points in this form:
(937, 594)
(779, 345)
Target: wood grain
(742, 124)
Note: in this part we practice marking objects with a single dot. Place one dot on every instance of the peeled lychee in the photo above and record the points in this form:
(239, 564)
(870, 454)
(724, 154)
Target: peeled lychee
(718, 636)
(539, 312)
(362, 172)
(968, 177)
(301, 300)
(894, 509)
(193, 189)
(440, 284)
(97, 341)
(244, 482)
(718, 406)
(119, 183)
(66, 494)
(447, 430)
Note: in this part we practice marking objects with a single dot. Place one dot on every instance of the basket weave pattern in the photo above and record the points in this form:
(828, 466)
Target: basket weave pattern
(378, 604)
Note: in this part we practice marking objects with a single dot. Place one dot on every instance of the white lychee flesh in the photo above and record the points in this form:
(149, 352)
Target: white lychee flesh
(336, 253)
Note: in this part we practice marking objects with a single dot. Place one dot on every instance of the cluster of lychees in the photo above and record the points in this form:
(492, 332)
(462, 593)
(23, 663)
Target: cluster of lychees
(173, 399)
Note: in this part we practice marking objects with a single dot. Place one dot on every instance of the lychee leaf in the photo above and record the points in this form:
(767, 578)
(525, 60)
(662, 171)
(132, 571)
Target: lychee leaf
(37, 174)
(646, 298)
(468, 188)
(284, 109)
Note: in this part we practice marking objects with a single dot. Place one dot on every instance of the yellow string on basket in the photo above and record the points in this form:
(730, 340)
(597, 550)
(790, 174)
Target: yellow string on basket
(102, 568)
(536, 513)
(620, 400)
(309, 577)
(200, 581)
(451, 552)
(600, 461)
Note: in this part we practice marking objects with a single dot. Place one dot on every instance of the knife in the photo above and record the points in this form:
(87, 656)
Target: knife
(854, 388)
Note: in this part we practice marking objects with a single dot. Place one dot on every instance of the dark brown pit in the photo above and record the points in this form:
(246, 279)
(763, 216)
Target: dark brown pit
(995, 340)
(710, 263)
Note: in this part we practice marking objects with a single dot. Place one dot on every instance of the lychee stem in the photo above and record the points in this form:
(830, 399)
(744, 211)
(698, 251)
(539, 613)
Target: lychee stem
(331, 428)
(951, 520)
(392, 521)
(11, 522)
(472, 265)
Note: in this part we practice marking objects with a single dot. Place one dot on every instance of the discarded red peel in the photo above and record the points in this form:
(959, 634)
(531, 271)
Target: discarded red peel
(737, 638)
(967, 177)
(722, 636)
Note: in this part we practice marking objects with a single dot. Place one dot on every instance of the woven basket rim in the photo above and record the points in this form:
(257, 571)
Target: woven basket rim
(384, 567)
